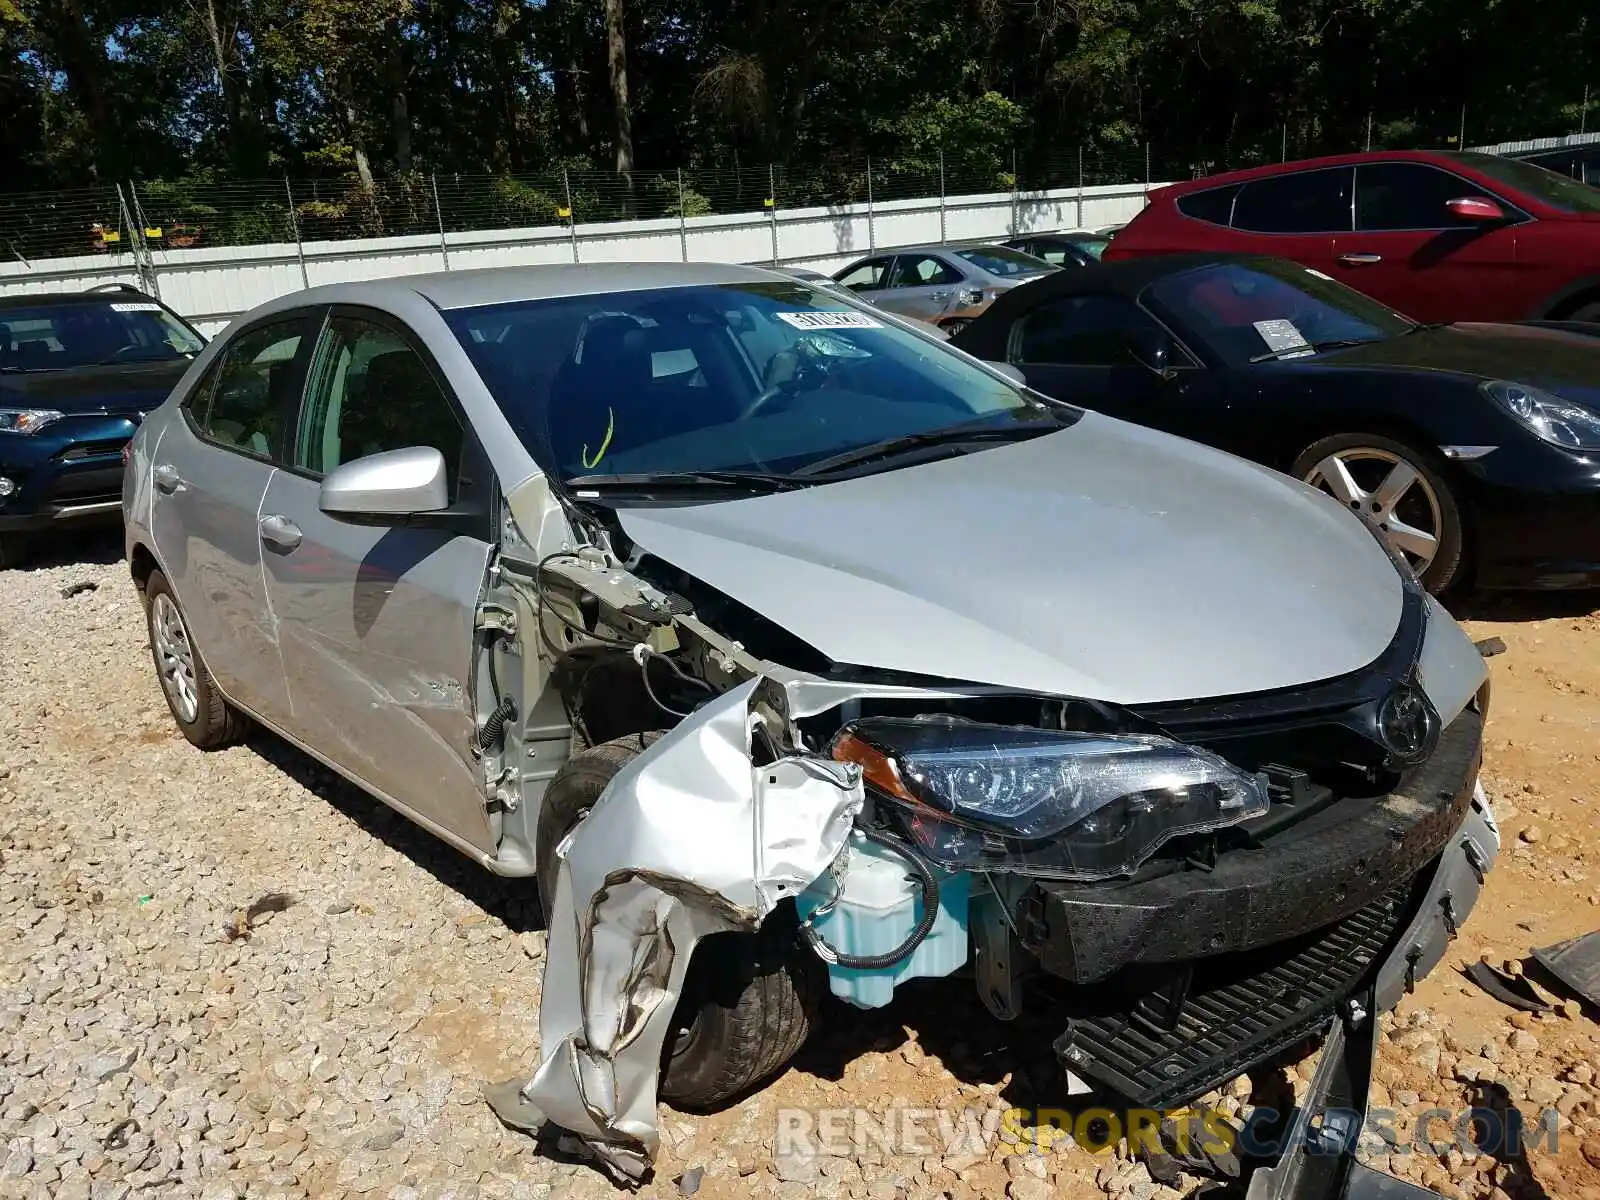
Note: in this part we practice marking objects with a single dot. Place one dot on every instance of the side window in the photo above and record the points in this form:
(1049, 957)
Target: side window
(1409, 196)
(1080, 331)
(867, 277)
(1304, 202)
(1214, 205)
(254, 383)
(913, 270)
(369, 392)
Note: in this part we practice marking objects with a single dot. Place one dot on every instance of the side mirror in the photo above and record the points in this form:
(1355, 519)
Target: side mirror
(1011, 372)
(386, 486)
(1152, 349)
(1475, 208)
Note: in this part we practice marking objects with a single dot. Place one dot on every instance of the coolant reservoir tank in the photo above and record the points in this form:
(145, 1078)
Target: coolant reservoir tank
(879, 904)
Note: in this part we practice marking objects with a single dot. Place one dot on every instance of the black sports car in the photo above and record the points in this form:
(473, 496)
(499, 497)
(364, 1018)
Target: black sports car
(1474, 449)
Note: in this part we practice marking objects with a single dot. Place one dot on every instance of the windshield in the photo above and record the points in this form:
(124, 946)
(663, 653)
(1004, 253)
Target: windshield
(1003, 260)
(765, 377)
(53, 337)
(1271, 308)
(1558, 191)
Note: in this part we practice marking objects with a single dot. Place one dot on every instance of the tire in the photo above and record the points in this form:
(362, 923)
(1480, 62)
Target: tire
(204, 717)
(15, 550)
(1588, 311)
(749, 998)
(1426, 504)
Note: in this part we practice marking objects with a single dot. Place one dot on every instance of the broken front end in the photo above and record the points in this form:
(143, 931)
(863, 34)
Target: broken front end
(1184, 888)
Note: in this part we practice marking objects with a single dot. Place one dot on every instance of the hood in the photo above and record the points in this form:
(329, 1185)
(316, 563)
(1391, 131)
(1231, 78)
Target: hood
(117, 388)
(1105, 561)
(1562, 360)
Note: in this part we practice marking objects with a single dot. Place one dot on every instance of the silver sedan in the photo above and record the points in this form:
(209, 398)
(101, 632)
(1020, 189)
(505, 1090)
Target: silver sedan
(638, 578)
(947, 286)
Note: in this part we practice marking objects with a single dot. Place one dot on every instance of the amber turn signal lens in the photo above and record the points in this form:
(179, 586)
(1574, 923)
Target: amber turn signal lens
(876, 767)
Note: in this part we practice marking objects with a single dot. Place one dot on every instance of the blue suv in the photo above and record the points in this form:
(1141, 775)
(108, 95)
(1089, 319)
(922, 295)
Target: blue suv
(78, 372)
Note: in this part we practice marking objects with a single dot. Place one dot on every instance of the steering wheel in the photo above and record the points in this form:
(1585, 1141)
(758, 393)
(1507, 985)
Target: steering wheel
(786, 368)
(125, 350)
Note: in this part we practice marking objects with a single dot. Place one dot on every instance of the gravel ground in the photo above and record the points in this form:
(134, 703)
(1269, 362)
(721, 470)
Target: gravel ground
(230, 975)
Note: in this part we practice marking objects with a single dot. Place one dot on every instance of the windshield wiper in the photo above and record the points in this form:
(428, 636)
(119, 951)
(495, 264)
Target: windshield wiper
(755, 481)
(1314, 348)
(956, 436)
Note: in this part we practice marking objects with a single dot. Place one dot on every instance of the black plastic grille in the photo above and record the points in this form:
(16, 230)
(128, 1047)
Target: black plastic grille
(1239, 1010)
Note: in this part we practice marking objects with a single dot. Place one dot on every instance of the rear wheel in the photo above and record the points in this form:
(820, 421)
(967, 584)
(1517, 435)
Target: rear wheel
(749, 998)
(205, 718)
(1588, 311)
(1399, 489)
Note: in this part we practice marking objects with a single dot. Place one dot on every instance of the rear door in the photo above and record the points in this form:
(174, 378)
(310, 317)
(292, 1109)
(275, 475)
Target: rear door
(1294, 216)
(376, 620)
(1412, 253)
(210, 472)
(920, 285)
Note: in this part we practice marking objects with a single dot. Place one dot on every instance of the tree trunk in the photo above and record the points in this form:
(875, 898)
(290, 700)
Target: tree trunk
(617, 61)
(399, 104)
(84, 65)
(568, 75)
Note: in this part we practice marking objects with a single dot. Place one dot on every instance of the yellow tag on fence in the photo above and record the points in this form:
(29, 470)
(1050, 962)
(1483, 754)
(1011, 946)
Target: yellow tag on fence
(564, 213)
(111, 237)
(153, 233)
(767, 203)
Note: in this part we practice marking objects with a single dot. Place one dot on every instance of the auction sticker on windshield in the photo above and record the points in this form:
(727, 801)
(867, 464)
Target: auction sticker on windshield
(1282, 335)
(136, 306)
(829, 320)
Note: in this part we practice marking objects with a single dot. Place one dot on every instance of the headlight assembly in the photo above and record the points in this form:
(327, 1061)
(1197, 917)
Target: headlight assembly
(27, 420)
(1066, 805)
(1557, 421)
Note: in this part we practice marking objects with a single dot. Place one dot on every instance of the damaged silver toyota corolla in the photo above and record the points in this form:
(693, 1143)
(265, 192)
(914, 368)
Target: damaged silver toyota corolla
(794, 651)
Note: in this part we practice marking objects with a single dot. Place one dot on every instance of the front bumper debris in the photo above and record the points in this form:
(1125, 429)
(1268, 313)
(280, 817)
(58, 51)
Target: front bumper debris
(690, 839)
(1238, 1010)
(1319, 1161)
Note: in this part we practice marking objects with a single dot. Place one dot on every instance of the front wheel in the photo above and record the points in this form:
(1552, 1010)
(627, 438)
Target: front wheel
(749, 998)
(1402, 491)
(14, 550)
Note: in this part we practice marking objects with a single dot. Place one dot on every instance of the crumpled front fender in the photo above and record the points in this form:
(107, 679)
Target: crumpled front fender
(691, 838)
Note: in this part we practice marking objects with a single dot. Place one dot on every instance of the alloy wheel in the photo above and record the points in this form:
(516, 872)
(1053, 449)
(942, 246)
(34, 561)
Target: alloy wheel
(1388, 493)
(174, 657)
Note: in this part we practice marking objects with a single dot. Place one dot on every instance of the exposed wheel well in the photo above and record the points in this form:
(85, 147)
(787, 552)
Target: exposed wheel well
(605, 695)
(1384, 424)
(141, 563)
(1568, 305)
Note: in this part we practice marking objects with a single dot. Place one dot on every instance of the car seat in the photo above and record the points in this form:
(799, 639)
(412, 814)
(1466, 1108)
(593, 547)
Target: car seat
(398, 404)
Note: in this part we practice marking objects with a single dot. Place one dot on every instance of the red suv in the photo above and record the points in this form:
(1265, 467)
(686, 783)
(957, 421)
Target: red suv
(1440, 237)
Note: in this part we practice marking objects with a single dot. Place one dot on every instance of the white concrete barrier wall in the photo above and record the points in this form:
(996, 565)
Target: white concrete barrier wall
(212, 286)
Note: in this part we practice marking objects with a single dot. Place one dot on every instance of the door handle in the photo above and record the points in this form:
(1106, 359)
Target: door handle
(279, 531)
(938, 295)
(167, 478)
(1360, 260)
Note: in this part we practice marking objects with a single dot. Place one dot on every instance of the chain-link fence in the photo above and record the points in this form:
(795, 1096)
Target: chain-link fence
(135, 219)
(200, 213)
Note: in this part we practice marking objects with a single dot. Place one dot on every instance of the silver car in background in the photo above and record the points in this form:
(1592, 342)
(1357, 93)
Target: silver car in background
(794, 652)
(947, 286)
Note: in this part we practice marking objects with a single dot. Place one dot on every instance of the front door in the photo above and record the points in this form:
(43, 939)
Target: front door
(921, 286)
(210, 472)
(376, 621)
(1412, 253)
(1078, 349)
